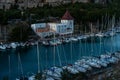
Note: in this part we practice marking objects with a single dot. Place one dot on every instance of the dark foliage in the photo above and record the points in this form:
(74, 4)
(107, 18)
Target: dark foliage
(20, 33)
(66, 75)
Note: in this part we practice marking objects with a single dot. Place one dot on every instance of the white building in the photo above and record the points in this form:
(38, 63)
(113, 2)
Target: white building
(66, 26)
(42, 29)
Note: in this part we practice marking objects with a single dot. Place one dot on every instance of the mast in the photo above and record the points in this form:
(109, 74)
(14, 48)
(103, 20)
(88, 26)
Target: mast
(38, 57)
(64, 54)
(85, 41)
(54, 51)
(19, 60)
(46, 58)
(59, 57)
(91, 40)
(100, 40)
(113, 24)
(71, 49)
(9, 66)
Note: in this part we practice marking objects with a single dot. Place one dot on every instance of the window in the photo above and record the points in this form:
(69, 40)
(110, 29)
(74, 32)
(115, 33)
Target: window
(59, 30)
(71, 23)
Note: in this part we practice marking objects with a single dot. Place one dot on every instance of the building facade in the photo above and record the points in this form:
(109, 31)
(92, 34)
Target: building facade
(34, 3)
(66, 26)
(42, 29)
(7, 1)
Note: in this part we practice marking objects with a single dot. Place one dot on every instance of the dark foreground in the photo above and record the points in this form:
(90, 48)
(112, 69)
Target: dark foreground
(111, 73)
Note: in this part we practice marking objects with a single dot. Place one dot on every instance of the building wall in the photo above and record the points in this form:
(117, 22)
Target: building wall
(35, 3)
(38, 25)
(50, 1)
(52, 26)
(70, 24)
(84, 1)
(65, 27)
(61, 28)
(7, 1)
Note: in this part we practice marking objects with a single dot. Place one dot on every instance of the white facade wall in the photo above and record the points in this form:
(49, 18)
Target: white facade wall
(61, 28)
(70, 24)
(38, 25)
(53, 26)
(64, 21)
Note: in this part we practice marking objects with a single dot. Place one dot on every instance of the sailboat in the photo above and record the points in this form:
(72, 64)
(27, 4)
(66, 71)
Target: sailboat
(13, 45)
(71, 69)
(83, 64)
(45, 43)
(73, 39)
(2, 47)
(66, 40)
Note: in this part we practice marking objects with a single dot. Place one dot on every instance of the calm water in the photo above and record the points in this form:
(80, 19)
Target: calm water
(13, 62)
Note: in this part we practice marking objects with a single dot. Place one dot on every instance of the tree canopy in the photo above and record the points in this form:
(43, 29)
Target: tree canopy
(20, 32)
(80, 11)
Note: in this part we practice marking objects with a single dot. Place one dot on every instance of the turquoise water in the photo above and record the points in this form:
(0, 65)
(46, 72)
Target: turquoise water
(13, 62)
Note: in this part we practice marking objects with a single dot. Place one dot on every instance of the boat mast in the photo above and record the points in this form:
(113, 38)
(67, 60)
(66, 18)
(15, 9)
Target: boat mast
(100, 40)
(59, 57)
(19, 62)
(9, 66)
(46, 58)
(71, 49)
(80, 50)
(38, 56)
(64, 54)
(85, 41)
(54, 50)
(113, 22)
(91, 40)
(113, 26)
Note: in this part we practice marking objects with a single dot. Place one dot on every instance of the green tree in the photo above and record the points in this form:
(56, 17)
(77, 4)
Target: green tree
(20, 32)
